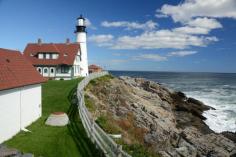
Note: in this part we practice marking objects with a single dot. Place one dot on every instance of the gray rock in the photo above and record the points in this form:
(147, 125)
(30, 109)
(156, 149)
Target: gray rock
(183, 151)
(190, 151)
(28, 155)
(4, 152)
(164, 154)
(134, 105)
(173, 124)
(12, 152)
(57, 119)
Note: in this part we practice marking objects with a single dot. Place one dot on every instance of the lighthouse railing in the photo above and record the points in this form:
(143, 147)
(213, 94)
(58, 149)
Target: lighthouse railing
(96, 134)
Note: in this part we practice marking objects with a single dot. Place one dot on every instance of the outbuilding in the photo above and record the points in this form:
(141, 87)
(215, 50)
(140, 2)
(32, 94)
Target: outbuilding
(20, 93)
(94, 68)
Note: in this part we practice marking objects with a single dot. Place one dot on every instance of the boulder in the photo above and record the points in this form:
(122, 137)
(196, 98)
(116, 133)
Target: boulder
(28, 155)
(230, 135)
(57, 119)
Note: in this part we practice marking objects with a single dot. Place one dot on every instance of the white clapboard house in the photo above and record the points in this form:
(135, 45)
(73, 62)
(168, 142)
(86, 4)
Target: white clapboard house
(61, 60)
(20, 93)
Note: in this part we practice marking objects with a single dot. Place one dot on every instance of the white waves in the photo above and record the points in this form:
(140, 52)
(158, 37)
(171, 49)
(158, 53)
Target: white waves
(223, 99)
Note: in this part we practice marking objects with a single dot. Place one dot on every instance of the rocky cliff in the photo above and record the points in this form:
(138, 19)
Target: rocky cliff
(161, 121)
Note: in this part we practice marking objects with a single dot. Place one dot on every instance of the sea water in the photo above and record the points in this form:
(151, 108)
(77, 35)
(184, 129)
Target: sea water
(217, 90)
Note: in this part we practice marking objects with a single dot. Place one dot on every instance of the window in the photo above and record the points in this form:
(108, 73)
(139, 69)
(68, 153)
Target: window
(47, 56)
(52, 70)
(64, 69)
(45, 70)
(74, 69)
(78, 58)
(55, 56)
(40, 70)
(40, 56)
(78, 69)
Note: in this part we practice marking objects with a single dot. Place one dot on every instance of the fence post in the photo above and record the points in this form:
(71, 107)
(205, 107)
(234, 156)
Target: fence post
(119, 150)
(91, 131)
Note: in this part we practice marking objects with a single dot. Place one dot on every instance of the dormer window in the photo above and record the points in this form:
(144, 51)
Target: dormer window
(49, 55)
(40, 56)
(55, 56)
(65, 54)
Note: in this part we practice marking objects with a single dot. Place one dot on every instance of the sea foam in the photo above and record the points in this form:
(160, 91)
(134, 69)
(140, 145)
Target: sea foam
(223, 118)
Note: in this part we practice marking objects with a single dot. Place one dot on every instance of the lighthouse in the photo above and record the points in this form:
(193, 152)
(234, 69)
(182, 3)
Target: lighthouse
(81, 39)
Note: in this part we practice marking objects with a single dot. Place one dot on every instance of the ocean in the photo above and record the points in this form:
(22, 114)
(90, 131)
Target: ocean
(217, 90)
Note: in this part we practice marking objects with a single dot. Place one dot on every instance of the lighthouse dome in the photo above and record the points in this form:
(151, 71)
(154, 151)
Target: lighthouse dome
(81, 21)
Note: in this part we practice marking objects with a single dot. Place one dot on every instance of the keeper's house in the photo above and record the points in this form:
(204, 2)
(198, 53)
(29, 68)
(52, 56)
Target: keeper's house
(55, 60)
(61, 60)
(20, 93)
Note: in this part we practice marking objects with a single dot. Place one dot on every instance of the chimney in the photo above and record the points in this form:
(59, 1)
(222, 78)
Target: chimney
(67, 41)
(39, 41)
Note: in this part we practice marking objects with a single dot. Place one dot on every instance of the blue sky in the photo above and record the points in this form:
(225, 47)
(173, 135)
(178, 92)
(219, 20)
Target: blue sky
(150, 35)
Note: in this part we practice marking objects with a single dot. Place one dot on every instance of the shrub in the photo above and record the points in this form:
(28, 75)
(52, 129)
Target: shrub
(137, 150)
(89, 104)
(108, 124)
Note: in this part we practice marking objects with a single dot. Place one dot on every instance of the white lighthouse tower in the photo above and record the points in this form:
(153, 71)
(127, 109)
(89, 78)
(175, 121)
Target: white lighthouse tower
(81, 39)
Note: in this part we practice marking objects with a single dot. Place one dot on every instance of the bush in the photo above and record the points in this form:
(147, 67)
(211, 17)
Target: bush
(89, 104)
(105, 78)
(108, 124)
(138, 150)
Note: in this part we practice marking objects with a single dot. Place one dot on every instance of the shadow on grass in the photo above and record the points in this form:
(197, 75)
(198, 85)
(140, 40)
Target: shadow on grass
(85, 147)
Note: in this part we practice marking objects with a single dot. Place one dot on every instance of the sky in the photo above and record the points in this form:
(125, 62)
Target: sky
(139, 35)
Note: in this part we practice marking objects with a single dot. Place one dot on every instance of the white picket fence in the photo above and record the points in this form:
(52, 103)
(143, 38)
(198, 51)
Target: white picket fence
(96, 134)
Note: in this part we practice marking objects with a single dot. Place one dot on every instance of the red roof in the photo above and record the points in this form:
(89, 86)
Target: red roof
(93, 66)
(16, 71)
(67, 53)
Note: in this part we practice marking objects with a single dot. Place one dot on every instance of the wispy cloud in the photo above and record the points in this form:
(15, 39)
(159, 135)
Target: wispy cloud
(118, 61)
(152, 57)
(204, 22)
(101, 39)
(89, 24)
(176, 39)
(161, 39)
(181, 53)
(159, 14)
(190, 9)
(199, 26)
(149, 25)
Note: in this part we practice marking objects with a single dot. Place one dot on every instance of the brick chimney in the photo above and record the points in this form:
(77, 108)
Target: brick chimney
(67, 41)
(39, 41)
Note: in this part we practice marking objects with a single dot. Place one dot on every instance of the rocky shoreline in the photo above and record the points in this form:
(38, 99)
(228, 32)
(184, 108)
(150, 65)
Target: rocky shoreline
(12, 152)
(164, 121)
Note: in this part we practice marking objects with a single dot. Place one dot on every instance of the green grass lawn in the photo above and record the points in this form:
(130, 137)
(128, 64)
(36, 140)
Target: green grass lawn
(48, 141)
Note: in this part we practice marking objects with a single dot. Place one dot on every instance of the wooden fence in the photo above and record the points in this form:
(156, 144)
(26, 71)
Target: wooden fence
(96, 134)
